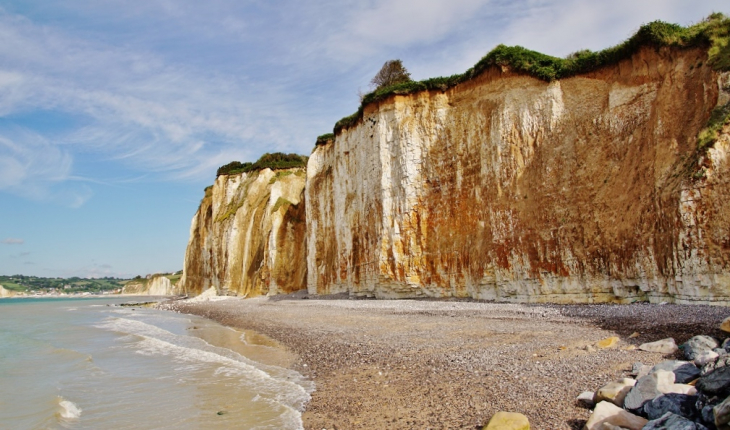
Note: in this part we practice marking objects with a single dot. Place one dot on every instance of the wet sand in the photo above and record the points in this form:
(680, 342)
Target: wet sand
(405, 364)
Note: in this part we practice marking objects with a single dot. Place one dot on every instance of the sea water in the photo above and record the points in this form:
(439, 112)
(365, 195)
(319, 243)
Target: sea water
(90, 364)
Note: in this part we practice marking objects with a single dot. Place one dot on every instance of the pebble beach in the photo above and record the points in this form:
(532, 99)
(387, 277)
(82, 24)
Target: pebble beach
(434, 364)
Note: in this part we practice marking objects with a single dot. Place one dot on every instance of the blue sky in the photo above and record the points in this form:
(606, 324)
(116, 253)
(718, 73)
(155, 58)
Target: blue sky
(114, 115)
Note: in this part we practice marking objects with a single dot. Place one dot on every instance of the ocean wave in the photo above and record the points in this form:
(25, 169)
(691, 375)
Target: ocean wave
(67, 410)
(286, 387)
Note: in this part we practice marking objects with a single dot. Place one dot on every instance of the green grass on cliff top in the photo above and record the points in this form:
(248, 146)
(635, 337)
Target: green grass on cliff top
(275, 161)
(713, 33)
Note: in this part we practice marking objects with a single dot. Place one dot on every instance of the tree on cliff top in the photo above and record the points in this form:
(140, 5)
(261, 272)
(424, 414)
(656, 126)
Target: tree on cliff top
(393, 72)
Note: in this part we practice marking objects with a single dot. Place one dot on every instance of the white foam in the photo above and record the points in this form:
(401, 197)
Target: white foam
(68, 410)
(284, 386)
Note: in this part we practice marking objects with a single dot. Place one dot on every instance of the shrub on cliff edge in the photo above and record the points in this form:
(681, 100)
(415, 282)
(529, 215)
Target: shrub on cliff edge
(277, 160)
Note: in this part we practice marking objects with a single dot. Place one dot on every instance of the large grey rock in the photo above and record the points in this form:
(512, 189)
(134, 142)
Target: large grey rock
(670, 421)
(716, 383)
(697, 345)
(646, 389)
(663, 346)
(684, 371)
(680, 404)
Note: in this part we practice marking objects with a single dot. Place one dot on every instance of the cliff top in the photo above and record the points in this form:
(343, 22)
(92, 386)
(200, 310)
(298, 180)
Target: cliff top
(712, 33)
(275, 161)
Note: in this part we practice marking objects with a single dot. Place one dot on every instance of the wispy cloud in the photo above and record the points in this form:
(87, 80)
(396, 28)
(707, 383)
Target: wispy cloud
(172, 90)
(12, 241)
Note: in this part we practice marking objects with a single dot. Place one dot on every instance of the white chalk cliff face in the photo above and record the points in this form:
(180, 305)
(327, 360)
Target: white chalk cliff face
(586, 189)
(248, 236)
(157, 285)
(6, 293)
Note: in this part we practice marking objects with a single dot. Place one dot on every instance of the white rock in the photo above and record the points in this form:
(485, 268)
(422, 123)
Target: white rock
(608, 413)
(586, 398)
(664, 346)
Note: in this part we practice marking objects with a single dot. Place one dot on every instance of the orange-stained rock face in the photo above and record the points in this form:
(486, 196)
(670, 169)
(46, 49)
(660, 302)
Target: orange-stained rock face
(248, 237)
(586, 189)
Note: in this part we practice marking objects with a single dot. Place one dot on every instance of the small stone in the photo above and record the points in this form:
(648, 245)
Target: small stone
(721, 413)
(590, 348)
(629, 348)
(726, 344)
(673, 422)
(634, 335)
(608, 342)
(615, 392)
(508, 421)
(680, 404)
(698, 344)
(715, 383)
(639, 370)
(705, 357)
(607, 412)
(586, 398)
(725, 325)
(663, 346)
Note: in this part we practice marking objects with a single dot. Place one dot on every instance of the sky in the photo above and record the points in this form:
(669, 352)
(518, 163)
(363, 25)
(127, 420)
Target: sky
(115, 114)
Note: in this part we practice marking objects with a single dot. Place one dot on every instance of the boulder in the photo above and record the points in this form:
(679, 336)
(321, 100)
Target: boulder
(670, 421)
(615, 392)
(608, 342)
(608, 413)
(679, 404)
(508, 421)
(698, 344)
(646, 388)
(725, 325)
(716, 383)
(664, 346)
(684, 371)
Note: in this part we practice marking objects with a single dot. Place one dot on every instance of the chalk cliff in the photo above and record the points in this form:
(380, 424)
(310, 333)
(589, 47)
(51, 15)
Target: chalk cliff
(6, 293)
(156, 285)
(248, 236)
(584, 189)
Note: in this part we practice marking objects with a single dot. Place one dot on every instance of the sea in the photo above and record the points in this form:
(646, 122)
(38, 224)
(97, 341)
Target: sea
(88, 363)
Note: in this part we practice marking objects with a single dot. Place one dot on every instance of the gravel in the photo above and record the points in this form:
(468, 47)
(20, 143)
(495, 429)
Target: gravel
(453, 364)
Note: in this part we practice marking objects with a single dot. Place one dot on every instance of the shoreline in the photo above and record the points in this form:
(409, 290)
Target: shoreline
(453, 364)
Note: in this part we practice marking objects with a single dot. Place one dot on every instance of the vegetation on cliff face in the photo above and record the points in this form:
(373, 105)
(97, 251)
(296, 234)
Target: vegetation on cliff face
(275, 161)
(713, 33)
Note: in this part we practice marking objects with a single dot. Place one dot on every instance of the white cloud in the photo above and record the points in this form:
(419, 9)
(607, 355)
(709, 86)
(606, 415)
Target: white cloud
(12, 241)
